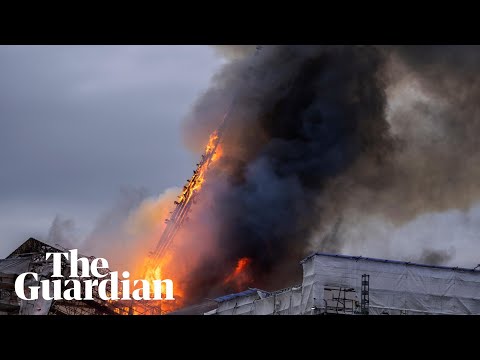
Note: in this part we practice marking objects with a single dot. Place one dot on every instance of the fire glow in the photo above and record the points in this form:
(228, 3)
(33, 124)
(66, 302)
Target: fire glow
(240, 276)
(171, 262)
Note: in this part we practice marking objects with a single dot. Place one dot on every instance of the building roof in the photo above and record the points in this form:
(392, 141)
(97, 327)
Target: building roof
(357, 258)
(248, 292)
(198, 309)
(14, 265)
(32, 246)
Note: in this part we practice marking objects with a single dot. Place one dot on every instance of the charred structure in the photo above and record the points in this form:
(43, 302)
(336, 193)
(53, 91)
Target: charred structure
(30, 257)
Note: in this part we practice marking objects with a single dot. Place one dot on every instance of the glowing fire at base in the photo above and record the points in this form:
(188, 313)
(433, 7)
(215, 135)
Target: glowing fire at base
(165, 265)
(153, 272)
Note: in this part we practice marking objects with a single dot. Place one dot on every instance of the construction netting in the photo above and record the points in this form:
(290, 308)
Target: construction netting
(333, 284)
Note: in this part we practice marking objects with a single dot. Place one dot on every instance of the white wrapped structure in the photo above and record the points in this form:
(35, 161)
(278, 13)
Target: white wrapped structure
(333, 284)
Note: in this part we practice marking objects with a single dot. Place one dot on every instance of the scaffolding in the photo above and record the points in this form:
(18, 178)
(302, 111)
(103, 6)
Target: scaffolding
(341, 302)
(365, 295)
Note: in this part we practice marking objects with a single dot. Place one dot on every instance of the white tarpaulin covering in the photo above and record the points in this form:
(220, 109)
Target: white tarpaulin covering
(398, 286)
(287, 302)
(394, 288)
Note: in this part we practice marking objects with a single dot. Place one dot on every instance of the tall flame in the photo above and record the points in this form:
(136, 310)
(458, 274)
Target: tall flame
(167, 265)
(212, 153)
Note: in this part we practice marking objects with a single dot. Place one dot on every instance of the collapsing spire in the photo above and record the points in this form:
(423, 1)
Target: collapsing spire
(190, 191)
(187, 198)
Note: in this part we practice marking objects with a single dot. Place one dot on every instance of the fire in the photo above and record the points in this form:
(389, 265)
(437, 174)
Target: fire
(154, 271)
(218, 153)
(211, 142)
(212, 153)
(167, 266)
(240, 276)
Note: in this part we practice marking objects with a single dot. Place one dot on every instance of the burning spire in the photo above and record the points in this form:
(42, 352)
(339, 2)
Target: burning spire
(161, 256)
(191, 189)
(187, 197)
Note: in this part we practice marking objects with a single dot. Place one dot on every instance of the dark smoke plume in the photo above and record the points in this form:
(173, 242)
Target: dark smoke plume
(320, 132)
(301, 116)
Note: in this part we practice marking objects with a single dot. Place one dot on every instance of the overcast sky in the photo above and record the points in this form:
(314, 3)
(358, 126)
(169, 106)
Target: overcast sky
(78, 123)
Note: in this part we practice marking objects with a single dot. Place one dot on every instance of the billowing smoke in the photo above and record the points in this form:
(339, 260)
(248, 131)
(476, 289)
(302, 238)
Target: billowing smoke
(319, 133)
(109, 237)
(434, 114)
(301, 116)
(62, 232)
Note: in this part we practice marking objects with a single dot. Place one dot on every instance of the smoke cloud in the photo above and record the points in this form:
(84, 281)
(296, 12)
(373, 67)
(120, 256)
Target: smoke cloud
(317, 133)
(108, 238)
(62, 232)
(302, 115)
(434, 115)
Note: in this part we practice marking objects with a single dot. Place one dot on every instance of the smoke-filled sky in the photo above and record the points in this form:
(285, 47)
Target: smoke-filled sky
(80, 126)
(384, 138)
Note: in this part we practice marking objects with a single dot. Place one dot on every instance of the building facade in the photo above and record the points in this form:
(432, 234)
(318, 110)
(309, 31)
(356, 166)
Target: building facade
(338, 284)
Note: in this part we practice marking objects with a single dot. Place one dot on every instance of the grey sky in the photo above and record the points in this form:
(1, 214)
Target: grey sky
(78, 123)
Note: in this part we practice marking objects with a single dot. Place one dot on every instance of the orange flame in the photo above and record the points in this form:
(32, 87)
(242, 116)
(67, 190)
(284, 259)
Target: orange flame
(218, 153)
(212, 153)
(240, 276)
(168, 266)
(154, 272)
(211, 142)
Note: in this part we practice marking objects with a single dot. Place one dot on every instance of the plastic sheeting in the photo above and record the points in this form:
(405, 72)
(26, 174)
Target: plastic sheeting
(286, 302)
(398, 287)
(395, 288)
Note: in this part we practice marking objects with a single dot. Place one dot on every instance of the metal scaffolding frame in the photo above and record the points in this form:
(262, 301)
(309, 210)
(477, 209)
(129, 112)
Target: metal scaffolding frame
(365, 295)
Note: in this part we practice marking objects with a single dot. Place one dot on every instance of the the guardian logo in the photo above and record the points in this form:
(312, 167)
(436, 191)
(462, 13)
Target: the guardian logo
(76, 288)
